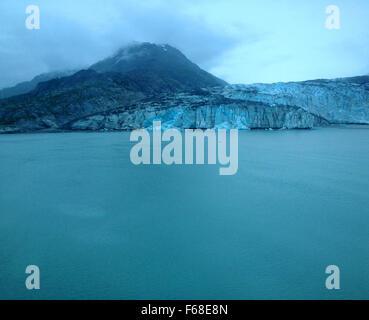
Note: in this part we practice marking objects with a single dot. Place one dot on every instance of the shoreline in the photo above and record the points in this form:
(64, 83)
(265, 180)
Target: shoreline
(336, 125)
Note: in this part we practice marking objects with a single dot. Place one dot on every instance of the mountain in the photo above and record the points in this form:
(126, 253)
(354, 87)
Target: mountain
(27, 86)
(164, 67)
(136, 72)
(146, 82)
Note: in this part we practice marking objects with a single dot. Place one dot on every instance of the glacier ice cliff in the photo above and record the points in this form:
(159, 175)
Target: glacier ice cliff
(337, 101)
(201, 111)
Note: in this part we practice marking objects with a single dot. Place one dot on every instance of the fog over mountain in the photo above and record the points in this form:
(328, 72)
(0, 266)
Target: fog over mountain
(158, 62)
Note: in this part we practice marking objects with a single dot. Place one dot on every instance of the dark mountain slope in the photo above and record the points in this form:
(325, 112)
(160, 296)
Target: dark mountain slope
(27, 86)
(163, 65)
(56, 102)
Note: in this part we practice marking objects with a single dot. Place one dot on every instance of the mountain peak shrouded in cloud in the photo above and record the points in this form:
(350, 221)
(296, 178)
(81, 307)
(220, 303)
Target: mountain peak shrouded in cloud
(162, 60)
(140, 55)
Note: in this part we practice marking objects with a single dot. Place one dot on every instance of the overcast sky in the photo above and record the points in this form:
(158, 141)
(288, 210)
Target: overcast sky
(240, 41)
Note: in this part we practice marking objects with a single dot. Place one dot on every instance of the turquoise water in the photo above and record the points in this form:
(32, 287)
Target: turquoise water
(99, 227)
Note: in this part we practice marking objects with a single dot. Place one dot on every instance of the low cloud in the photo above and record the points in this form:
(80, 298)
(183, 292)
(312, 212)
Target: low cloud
(77, 35)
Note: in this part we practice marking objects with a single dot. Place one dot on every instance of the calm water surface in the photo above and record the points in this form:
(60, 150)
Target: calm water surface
(101, 228)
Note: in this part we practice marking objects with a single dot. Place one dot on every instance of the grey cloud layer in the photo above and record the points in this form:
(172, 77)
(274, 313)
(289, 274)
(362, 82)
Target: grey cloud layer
(82, 34)
(237, 40)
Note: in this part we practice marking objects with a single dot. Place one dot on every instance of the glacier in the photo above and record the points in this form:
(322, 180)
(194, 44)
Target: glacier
(212, 110)
(293, 105)
(340, 101)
